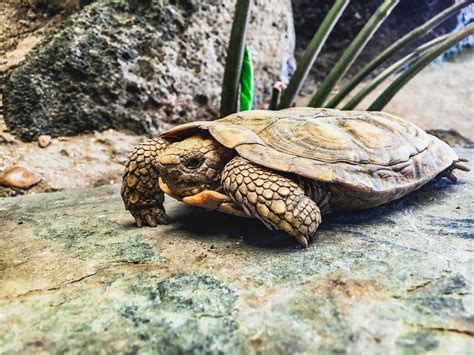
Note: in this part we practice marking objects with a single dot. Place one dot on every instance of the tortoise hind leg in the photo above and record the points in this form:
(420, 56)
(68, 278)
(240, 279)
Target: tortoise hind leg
(140, 189)
(277, 201)
(458, 164)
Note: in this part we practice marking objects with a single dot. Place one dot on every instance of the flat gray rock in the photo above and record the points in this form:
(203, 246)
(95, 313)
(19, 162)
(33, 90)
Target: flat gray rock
(77, 275)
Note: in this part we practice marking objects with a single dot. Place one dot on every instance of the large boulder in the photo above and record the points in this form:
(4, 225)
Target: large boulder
(141, 66)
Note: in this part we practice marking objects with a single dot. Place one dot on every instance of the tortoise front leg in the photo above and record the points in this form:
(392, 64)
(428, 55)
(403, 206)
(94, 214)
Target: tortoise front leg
(140, 190)
(277, 201)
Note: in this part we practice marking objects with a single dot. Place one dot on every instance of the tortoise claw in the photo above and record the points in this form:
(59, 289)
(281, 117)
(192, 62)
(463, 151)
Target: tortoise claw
(458, 164)
(150, 221)
(451, 176)
(138, 221)
(302, 240)
(152, 216)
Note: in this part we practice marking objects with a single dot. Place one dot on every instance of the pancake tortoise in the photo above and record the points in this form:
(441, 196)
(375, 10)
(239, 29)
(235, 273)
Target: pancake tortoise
(286, 167)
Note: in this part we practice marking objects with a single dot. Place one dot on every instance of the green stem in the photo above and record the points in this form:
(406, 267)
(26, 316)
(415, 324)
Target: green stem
(235, 57)
(425, 60)
(311, 53)
(379, 59)
(351, 53)
(367, 89)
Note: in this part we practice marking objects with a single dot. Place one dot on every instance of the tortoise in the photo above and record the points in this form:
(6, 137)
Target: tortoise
(285, 167)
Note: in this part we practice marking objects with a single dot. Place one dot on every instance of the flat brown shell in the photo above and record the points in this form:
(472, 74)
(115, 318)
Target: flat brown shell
(363, 151)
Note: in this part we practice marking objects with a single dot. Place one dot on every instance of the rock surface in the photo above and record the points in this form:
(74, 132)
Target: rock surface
(140, 66)
(77, 276)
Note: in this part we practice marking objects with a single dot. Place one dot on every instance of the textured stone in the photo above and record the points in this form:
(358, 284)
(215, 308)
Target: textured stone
(77, 276)
(140, 66)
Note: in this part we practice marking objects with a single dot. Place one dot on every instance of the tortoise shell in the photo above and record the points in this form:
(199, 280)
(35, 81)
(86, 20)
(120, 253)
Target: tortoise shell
(377, 156)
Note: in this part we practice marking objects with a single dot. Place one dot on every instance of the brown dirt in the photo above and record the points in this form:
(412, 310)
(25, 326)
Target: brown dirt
(68, 163)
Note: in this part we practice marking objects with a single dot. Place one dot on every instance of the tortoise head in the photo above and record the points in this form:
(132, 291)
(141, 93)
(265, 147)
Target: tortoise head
(194, 165)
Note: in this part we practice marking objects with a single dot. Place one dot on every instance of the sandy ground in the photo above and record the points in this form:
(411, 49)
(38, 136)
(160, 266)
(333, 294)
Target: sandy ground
(69, 162)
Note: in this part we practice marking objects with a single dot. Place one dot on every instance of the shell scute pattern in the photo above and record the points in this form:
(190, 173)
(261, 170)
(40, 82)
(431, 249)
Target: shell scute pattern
(356, 138)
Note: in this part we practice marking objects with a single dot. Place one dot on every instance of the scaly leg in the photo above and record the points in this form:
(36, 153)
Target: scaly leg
(140, 190)
(277, 201)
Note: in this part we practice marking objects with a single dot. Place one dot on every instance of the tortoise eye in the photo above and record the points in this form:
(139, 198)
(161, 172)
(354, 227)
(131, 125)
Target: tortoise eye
(194, 163)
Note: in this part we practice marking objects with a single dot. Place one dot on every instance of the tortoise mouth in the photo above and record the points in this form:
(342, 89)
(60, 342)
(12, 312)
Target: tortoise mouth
(164, 187)
(208, 199)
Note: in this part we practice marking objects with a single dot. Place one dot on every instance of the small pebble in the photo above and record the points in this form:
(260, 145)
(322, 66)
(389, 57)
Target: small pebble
(18, 177)
(44, 140)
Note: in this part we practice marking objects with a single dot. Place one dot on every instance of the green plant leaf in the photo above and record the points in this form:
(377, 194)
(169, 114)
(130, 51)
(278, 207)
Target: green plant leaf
(368, 88)
(351, 53)
(311, 53)
(379, 59)
(235, 57)
(246, 82)
(425, 60)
